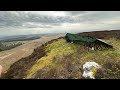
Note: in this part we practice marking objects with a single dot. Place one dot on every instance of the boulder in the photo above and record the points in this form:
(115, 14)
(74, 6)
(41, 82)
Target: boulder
(89, 69)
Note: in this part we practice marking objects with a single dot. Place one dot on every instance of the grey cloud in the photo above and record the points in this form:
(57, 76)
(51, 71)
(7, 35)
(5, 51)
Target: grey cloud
(18, 18)
(96, 17)
(76, 12)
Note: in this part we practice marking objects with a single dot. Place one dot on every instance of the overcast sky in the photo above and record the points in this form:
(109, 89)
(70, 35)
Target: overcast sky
(34, 22)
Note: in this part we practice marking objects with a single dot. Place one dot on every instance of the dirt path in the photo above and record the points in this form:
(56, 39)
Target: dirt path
(4, 56)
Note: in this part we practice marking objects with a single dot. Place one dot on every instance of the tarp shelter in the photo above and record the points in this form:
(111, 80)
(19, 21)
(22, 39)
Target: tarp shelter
(89, 40)
(74, 37)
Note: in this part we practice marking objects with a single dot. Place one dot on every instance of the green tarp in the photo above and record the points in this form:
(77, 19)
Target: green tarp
(86, 39)
(76, 37)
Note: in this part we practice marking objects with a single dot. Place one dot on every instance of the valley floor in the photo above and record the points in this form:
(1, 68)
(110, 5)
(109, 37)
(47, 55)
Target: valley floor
(8, 57)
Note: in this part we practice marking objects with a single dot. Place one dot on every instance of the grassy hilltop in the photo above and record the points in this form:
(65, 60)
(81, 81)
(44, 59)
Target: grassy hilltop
(59, 59)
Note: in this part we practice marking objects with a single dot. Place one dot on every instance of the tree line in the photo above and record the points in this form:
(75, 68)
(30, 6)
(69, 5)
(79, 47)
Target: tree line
(4, 47)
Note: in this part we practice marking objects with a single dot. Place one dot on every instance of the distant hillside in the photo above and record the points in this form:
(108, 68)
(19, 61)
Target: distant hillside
(8, 57)
(19, 38)
(58, 59)
(7, 46)
(104, 34)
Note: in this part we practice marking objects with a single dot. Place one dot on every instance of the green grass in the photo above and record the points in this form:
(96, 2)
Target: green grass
(65, 60)
(57, 49)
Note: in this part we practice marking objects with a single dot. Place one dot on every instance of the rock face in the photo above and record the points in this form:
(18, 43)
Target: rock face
(89, 69)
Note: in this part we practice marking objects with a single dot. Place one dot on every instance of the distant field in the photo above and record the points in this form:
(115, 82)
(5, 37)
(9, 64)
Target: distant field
(9, 45)
(19, 38)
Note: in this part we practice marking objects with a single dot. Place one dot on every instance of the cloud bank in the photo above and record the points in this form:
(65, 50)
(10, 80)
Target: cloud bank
(32, 22)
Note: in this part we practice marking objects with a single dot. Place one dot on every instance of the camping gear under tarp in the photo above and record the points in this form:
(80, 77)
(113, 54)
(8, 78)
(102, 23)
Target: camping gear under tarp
(74, 37)
(88, 40)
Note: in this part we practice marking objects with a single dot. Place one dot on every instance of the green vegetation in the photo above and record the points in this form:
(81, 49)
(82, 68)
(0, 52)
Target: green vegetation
(63, 60)
(57, 50)
(4, 46)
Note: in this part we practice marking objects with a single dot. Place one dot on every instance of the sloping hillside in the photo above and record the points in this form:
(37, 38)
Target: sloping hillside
(59, 59)
(104, 34)
(8, 57)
